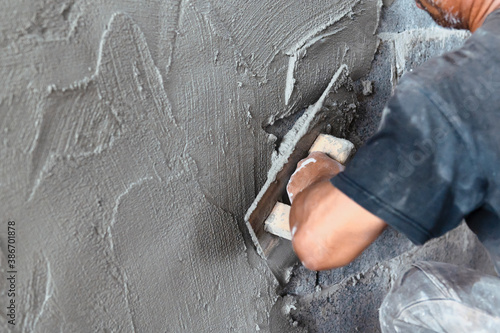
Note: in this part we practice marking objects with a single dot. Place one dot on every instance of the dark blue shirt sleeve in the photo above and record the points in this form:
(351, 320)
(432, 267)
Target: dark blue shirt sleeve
(416, 172)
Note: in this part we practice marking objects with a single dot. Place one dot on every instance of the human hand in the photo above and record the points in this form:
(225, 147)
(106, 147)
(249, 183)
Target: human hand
(316, 167)
(329, 229)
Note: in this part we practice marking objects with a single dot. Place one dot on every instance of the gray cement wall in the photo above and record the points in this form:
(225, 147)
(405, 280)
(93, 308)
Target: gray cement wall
(347, 299)
(134, 136)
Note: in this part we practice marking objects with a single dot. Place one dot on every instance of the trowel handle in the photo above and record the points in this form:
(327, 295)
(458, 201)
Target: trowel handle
(336, 148)
(339, 149)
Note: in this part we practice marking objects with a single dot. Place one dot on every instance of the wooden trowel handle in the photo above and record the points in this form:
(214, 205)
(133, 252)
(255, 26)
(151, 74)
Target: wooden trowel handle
(339, 149)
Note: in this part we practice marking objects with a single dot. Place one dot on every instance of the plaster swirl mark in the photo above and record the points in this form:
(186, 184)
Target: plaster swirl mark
(88, 116)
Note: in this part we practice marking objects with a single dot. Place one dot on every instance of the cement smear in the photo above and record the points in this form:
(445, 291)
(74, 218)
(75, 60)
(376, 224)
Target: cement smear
(132, 144)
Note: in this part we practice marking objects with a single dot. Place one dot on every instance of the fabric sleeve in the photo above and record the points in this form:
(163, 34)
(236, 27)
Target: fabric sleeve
(416, 172)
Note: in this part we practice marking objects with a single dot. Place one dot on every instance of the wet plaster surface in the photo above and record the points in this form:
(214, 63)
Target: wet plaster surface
(132, 143)
(134, 135)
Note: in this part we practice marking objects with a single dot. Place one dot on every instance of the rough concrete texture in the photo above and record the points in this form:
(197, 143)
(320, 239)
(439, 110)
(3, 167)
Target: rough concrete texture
(347, 299)
(132, 143)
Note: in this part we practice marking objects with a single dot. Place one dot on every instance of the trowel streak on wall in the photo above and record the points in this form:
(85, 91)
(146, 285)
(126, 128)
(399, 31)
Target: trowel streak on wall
(132, 144)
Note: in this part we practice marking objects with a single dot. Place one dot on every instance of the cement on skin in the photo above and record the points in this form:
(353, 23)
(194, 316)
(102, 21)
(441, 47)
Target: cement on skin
(132, 145)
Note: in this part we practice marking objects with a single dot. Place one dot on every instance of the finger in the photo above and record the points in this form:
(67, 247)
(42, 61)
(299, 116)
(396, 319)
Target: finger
(319, 155)
(295, 183)
(289, 189)
(316, 159)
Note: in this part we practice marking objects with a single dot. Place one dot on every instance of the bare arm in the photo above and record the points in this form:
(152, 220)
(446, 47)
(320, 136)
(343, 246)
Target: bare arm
(329, 229)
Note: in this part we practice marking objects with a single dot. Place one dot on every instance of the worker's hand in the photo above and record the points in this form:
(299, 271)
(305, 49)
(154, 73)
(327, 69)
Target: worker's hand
(316, 167)
(329, 229)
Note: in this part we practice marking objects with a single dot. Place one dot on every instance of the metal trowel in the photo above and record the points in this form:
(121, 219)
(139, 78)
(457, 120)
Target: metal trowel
(267, 217)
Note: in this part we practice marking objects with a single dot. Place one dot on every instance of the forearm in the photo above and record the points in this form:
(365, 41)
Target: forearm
(329, 229)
